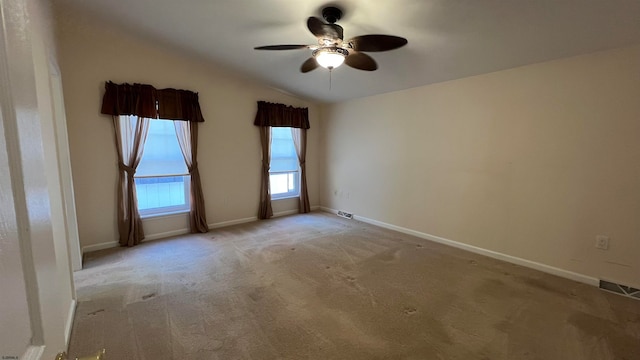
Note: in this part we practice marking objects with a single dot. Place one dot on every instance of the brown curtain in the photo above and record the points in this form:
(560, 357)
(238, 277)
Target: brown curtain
(126, 99)
(179, 105)
(146, 101)
(300, 141)
(265, 211)
(280, 115)
(131, 106)
(187, 133)
(131, 134)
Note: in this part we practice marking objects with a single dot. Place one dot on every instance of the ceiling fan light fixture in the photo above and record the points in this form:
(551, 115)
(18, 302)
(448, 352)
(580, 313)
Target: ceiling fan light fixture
(330, 58)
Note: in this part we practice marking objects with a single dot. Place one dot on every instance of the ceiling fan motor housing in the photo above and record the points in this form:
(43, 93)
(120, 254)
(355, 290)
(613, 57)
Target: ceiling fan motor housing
(331, 14)
(332, 49)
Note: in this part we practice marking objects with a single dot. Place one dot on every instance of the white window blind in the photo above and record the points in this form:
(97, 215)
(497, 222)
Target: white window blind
(162, 181)
(283, 152)
(162, 155)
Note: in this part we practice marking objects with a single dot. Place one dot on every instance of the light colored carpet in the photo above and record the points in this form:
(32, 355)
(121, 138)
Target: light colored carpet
(320, 287)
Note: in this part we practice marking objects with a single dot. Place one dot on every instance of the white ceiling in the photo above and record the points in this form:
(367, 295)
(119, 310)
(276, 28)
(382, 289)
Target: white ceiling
(448, 39)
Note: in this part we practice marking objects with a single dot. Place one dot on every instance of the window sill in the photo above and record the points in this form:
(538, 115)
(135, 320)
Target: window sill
(285, 197)
(164, 214)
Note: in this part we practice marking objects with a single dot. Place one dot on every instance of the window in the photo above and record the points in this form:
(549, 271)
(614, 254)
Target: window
(162, 179)
(284, 175)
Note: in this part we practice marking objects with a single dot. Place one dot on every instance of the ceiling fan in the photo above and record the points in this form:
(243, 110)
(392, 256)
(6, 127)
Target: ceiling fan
(332, 51)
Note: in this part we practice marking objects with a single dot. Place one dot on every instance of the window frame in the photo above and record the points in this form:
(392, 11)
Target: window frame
(165, 210)
(289, 194)
(296, 173)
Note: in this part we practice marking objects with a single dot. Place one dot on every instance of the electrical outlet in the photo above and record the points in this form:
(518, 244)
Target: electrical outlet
(602, 242)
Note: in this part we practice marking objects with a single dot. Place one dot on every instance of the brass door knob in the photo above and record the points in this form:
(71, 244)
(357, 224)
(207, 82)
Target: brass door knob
(98, 356)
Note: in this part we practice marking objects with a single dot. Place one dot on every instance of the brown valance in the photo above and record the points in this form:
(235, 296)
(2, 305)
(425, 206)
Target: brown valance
(149, 102)
(280, 115)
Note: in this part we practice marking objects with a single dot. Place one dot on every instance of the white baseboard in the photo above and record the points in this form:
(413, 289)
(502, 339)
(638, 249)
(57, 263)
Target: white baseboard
(232, 222)
(295, 211)
(33, 353)
(329, 210)
(255, 218)
(100, 246)
(474, 249)
(69, 326)
(477, 250)
(112, 244)
(285, 213)
(165, 234)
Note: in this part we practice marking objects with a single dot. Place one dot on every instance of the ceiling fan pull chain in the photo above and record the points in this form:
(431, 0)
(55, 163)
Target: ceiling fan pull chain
(330, 71)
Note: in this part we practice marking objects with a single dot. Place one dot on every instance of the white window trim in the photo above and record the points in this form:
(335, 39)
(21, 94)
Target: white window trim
(167, 210)
(297, 181)
(164, 214)
(172, 209)
(287, 195)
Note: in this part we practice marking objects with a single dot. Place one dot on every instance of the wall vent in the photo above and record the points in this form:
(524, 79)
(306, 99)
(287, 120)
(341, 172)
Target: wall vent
(344, 214)
(620, 289)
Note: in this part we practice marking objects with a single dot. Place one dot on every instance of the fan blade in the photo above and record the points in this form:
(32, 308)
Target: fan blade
(324, 31)
(281, 47)
(316, 26)
(361, 61)
(377, 42)
(309, 65)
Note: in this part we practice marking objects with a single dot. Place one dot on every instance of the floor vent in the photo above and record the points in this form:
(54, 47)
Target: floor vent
(620, 289)
(345, 214)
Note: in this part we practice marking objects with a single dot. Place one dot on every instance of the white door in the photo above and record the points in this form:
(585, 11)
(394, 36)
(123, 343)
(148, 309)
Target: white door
(15, 319)
(66, 183)
(36, 289)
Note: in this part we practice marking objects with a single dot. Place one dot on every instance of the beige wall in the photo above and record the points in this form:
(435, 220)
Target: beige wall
(532, 162)
(229, 150)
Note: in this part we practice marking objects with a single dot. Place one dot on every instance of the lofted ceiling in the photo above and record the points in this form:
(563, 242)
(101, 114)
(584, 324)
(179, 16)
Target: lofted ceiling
(448, 39)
